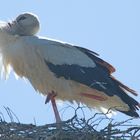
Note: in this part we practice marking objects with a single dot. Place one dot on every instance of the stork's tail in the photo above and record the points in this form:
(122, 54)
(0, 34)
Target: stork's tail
(130, 113)
(132, 103)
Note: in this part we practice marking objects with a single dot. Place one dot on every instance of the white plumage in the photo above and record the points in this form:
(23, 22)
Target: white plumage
(72, 72)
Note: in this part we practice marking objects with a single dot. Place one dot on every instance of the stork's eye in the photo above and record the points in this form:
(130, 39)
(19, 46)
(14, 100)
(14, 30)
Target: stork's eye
(21, 18)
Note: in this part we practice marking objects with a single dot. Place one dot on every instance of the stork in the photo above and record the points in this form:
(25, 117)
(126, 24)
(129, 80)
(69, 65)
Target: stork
(61, 70)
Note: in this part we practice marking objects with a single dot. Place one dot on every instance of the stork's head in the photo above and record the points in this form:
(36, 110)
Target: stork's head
(25, 24)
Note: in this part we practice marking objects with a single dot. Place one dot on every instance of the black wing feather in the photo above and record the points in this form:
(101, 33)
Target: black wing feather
(92, 77)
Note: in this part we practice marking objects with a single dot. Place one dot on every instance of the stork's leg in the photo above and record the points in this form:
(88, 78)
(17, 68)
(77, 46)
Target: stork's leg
(51, 97)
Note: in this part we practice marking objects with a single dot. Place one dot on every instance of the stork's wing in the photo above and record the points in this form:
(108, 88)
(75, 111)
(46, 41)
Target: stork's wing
(97, 77)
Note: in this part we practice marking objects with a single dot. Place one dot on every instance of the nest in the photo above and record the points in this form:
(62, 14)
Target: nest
(73, 129)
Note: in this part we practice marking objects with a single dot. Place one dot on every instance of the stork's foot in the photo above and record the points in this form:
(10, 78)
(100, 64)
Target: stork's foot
(51, 97)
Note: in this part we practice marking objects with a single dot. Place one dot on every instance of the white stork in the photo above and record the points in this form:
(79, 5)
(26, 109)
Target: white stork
(61, 70)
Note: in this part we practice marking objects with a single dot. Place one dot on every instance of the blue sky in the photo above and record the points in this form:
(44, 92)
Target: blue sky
(108, 27)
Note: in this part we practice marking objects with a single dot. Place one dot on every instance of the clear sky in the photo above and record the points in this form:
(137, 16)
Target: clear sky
(108, 27)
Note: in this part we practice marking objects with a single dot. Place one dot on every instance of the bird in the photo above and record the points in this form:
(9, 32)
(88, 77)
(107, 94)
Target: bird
(60, 70)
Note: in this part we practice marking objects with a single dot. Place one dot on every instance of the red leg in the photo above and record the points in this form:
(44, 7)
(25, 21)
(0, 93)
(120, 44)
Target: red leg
(57, 116)
(51, 97)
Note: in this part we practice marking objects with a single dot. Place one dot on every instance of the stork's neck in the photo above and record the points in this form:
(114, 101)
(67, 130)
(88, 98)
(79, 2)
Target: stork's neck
(6, 38)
